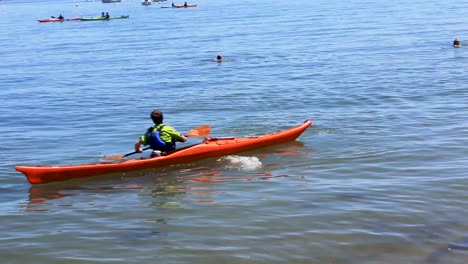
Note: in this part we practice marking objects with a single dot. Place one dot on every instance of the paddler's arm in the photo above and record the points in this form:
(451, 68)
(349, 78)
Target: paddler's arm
(175, 135)
(141, 141)
(182, 138)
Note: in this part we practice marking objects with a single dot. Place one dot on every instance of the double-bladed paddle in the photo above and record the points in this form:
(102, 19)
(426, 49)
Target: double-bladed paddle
(200, 131)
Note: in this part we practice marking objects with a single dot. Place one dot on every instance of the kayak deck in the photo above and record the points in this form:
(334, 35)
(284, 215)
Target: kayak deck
(208, 148)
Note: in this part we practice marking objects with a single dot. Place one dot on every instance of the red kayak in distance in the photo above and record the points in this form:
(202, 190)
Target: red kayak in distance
(57, 19)
(210, 147)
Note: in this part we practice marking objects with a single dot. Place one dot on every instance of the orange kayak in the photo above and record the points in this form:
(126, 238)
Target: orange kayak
(208, 148)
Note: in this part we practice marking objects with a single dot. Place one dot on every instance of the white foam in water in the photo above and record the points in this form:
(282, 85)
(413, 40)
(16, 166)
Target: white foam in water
(242, 163)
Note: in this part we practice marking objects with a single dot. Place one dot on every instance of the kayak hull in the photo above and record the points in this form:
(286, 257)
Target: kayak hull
(51, 20)
(208, 148)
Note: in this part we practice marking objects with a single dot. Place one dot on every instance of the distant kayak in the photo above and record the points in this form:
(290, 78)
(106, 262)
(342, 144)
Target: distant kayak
(210, 147)
(57, 19)
(101, 18)
(180, 6)
(183, 6)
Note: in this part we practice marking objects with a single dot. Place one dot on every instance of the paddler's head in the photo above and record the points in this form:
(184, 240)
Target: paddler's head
(157, 117)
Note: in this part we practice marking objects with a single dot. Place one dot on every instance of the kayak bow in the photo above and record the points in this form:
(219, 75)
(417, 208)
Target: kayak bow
(208, 148)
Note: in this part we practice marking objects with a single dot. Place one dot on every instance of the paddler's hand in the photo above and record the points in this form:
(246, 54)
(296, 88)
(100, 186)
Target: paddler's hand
(183, 138)
(138, 146)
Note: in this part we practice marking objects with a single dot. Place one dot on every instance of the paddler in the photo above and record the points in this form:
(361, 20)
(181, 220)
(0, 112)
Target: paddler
(161, 138)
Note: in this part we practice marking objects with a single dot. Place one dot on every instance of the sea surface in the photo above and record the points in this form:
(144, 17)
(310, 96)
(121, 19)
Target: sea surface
(380, 178)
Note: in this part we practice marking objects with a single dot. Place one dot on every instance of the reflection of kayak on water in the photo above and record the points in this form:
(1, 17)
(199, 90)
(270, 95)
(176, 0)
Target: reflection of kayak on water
(58, 19)
(210, 147)
(101, 18)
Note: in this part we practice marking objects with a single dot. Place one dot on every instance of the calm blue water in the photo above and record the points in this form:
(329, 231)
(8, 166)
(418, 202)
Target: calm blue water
(381, 177)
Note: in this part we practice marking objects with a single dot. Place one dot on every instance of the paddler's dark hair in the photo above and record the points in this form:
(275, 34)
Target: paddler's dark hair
(157, 117)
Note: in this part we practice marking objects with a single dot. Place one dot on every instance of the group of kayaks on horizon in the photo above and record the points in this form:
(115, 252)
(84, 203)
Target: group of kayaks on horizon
(149, 2)
(60, 18)
(106, 16)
